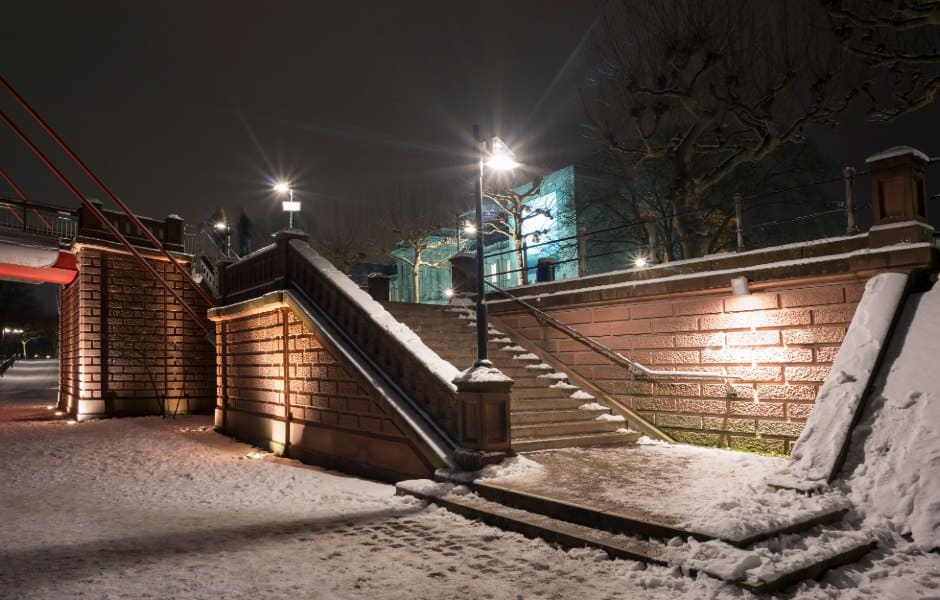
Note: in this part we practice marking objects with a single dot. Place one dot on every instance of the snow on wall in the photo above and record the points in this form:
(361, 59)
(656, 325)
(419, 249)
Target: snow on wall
(894, 461)
(820, 446)
(440, 367)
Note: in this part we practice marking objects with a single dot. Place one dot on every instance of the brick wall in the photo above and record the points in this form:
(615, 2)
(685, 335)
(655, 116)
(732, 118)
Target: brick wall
(781, 341)
(317, 409)
(69, 345)
(128, 346)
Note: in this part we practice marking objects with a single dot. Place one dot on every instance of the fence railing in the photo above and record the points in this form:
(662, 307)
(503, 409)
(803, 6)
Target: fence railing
(38, 219)
(831, 204)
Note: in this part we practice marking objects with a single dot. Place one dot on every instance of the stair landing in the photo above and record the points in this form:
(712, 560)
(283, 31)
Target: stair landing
(703, 510)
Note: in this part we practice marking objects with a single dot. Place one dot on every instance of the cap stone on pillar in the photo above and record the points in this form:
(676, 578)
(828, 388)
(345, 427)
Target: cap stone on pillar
(483, 399)
(899, 197)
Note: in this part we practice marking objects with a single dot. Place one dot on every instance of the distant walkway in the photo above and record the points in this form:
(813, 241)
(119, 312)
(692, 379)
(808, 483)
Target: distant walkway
(28, 389)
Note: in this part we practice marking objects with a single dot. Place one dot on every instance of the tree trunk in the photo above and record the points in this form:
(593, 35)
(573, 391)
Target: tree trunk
(415, 272)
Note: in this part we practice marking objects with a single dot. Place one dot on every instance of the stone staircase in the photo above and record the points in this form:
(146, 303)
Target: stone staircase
(546, 410)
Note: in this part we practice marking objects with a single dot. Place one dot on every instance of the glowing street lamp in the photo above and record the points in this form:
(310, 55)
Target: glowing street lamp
(223, 228)
(497, 158)
(288, 206)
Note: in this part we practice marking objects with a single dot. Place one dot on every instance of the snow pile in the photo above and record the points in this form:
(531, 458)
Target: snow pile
(581, 395)
(891, 474)
(526, 356)
(440, 367)
(893, 466)
(592, 406)
(743, 512)
(481, 373)
(554, 375)
(515, 468)
(610, 418)
(817, 451)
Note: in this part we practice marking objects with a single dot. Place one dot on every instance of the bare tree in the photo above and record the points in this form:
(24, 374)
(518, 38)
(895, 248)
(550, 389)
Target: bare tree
(346, 235)
(417, 218)
(513, 210)
(898, 42)
(692, 90)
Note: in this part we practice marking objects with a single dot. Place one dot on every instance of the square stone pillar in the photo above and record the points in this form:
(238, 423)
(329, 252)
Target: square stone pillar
(898, 197)
(483, 402)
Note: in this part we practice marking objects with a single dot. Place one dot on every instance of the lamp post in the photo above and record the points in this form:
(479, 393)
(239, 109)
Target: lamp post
(498, 157)
(6, 330)
(289, 206)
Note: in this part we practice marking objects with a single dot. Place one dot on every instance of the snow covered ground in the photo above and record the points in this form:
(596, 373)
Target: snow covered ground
(163, 508)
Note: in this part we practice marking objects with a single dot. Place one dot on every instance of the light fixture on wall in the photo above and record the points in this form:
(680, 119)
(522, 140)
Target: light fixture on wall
(739, 286)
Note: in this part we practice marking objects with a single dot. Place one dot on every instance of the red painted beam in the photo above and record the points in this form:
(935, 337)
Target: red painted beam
(63, 271)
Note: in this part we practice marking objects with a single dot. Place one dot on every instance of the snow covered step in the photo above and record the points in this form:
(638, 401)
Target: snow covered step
(540, 402)
(564, 428)
(775, 564)
(534, 390)
(553, 416)
(609, 438)
(766, 568)
(523, 371)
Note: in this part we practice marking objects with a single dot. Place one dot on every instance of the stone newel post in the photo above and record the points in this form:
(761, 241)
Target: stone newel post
(898, 197)
(483, 417)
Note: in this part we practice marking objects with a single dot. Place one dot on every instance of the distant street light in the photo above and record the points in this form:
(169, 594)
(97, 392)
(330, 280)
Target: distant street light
(223, 228)
(497, 158)
(289, 206)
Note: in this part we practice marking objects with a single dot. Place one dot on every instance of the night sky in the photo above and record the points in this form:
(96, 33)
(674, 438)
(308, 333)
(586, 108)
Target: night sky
(183, 106)
(180, 107)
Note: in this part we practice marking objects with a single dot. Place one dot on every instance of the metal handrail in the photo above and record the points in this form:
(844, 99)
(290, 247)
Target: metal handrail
(634, 367)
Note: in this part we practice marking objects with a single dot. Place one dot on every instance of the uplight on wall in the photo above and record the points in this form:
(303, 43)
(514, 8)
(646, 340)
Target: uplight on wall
(739, 286)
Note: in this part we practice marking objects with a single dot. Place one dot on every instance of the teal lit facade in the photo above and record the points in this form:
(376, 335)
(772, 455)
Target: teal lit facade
(571, 197)
(432, 281)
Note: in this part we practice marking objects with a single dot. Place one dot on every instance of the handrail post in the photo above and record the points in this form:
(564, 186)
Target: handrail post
(848, 177)
(737, 219)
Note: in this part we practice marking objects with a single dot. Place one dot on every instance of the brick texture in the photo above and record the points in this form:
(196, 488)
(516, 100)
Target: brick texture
(271, 368)
(780, 342)
(127, 346)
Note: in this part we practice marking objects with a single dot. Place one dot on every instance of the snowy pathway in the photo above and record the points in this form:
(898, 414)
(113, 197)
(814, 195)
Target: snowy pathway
(164, 508)
(139, 508)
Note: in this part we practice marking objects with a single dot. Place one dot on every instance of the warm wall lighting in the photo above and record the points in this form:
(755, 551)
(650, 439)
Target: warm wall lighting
(739, 286)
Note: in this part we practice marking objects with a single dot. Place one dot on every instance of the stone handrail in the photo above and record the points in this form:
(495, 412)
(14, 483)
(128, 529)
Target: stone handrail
(398, 352)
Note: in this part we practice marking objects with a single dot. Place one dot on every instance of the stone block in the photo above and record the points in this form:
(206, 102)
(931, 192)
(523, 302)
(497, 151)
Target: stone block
(786, 392)
(758, 409)
(701, 406)
(825, 315)
(698, 307)
(674, 324)
(813, 296)
(814, 335)
(756, 444)
(650, 311)
(731, 425)
(807, 373)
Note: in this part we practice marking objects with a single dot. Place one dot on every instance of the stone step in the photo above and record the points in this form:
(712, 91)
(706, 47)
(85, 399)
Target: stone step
(533, 417)
(612, 438)
(528, 382)
(519, 392)
(541, 403)
(797, 558)
(563, 429)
